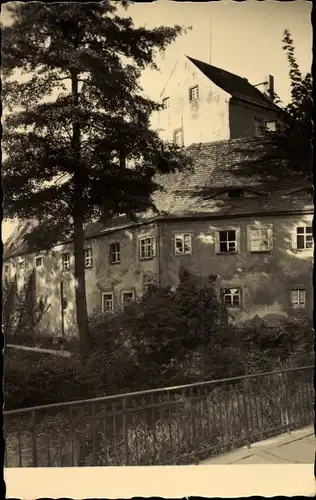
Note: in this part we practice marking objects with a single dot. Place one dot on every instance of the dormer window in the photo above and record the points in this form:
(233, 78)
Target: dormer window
(166, 102)
(194, 93)
(236, 193)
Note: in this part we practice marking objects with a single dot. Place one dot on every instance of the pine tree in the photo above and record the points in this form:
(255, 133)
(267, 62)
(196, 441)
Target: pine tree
(77, 138)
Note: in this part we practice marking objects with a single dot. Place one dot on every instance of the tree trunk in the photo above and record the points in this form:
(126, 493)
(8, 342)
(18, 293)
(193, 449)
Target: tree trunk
(81, 301)
(78, 217)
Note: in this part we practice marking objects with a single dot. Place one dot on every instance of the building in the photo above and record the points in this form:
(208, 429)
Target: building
(253, 231)
(203, 103)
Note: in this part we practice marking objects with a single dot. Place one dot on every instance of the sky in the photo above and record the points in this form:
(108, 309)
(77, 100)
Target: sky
(243, 38)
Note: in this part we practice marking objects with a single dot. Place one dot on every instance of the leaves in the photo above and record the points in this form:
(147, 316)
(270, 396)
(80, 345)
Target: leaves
(119, 154)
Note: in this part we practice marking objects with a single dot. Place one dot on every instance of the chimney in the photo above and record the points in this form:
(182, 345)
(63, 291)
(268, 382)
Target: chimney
(269, 86)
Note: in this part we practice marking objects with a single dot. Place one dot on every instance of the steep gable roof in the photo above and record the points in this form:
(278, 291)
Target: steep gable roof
(233, 84)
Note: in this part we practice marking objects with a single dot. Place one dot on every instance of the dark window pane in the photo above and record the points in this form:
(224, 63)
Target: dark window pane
(223, 236)
(300, 242)
(300, 230)
(223, 247)
(309, 229)
(231, 235)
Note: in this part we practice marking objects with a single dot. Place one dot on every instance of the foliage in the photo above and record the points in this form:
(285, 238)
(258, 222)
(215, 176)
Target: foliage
(22, 311)
(165, 325)
(290, 146)
(77, 137)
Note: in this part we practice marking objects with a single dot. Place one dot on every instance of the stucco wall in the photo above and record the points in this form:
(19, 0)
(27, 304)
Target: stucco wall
(203, 120)
(266, 279)
(242, 116)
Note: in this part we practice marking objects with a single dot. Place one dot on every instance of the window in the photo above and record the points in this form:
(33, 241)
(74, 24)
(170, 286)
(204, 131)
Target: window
(147, 248)
(194, 93)
(258, 127)
(127, 298)
(88, 257)
(21, 264)
(178, 137)
(231, 297)
(166, 102)
(304, 237)
(226, 241)
(183, 244)
(271, 126)
(236, 193)
(107, 302)
(298, 298)
(115, 253)
(66, 261)
(260, 238)
(6, 268)
(38, 261)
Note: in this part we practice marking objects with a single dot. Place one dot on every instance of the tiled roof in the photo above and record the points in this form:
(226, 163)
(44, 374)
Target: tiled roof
(191, 193)
(235, 85)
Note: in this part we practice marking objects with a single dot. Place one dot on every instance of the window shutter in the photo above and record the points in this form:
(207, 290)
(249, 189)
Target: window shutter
(249, 228)
(216, 241)
(154, 247)
(237, 239)
(270, 236)
(294, 240)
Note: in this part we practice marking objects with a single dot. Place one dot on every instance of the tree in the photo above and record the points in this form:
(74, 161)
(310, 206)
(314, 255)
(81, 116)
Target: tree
(166, 326)
(290, 146)
(77, 137)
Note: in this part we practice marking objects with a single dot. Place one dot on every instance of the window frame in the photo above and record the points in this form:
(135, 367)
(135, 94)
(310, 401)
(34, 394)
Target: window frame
(111, 244)
(65, 268)
(166, 102)
(36, 258)
(231, 305)
(125, 292)
(264, 227)
(88, 266)
(182, 236)
(271, 121)
(299, 304)
(191, 91)
(304, 234)
(257, 121)
(105, 311)
(218, 241)
(175, 132)
(21, 261)
(153, 247)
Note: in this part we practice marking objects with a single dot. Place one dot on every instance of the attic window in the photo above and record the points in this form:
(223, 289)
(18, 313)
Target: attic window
(194, 93)
(166, 102)
(236, 193)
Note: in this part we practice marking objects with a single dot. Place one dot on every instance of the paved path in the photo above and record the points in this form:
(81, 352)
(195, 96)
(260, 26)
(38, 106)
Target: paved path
(295, 448)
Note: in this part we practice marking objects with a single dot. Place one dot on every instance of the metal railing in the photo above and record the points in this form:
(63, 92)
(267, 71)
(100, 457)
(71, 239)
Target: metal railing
(174, 425)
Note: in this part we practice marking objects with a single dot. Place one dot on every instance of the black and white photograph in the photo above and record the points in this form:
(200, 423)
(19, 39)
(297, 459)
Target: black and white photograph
(157, 234)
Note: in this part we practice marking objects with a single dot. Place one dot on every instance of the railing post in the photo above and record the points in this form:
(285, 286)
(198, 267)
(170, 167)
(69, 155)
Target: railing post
(34, 443)
(286, 401)
(125, 431)
(246, 415)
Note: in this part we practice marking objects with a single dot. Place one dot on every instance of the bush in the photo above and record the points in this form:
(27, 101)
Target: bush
(167, 338)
